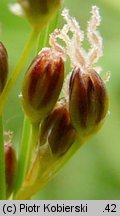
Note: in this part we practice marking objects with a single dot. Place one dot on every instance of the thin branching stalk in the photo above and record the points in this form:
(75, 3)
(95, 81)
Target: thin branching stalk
(11, 82)
(33, 140)
(43, 40)
(22, 152)
(27, 146)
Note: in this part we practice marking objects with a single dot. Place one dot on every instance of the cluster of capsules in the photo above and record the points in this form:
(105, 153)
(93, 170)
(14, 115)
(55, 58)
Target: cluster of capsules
(65, 106)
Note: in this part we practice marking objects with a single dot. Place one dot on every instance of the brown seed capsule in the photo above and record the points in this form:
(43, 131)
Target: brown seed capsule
(42, 84)
(88, 101)
(57, 131)
(10, 167)
(3, 66)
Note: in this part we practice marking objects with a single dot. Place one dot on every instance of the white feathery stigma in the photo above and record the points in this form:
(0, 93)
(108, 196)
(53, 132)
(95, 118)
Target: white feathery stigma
(73, 44)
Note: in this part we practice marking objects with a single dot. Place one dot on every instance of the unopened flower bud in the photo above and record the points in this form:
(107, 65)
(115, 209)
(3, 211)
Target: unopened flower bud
(38, 12)
(3, 66)
(42, 84)
(57, 131)
(88, 101)
(10, 167)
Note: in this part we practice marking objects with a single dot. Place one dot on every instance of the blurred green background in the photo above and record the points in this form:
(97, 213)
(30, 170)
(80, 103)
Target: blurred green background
(94, 171)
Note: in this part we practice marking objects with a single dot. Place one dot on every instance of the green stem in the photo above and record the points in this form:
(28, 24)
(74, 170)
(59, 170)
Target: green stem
(2, 164)
(28, 143)
(11, 82)
(53, 23)
(33, 140)
(22, 153)
(43, 40)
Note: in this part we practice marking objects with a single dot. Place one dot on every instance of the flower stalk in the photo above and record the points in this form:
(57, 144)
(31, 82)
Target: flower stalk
(22, 153)
(11, 82)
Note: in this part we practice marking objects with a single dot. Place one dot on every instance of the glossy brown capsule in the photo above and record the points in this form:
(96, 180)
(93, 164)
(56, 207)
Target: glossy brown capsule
(88, 101)
(42, 84)
(57, 131)
(11, 165)
(3, 66)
